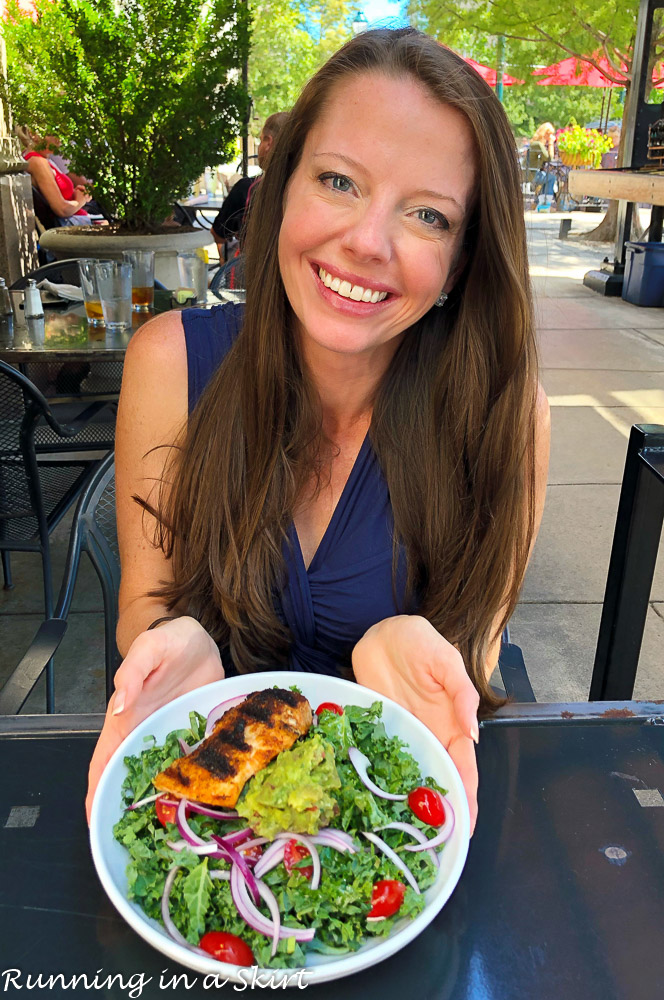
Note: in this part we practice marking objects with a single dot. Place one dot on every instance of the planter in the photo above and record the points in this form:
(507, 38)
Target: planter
(94, 241)
(575, 159)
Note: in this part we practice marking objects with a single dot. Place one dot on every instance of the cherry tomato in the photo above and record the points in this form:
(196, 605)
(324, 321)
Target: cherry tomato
(251, 853)
(428, 805)
(166, 811)
(386, 897)
(329, 706)
(294, 853)
(227, 948)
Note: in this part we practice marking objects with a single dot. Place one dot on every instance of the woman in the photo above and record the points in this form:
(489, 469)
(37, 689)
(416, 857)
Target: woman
(63, 197)
(359, 485)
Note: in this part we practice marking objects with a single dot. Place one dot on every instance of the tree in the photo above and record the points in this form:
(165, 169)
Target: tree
(539, 35)
(291, 39)
(143, 93)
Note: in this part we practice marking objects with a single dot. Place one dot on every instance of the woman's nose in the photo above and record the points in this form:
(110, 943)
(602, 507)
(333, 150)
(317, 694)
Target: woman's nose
(369, 235)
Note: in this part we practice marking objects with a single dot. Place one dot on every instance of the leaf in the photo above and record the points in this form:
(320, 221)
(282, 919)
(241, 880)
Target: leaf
(196, 893)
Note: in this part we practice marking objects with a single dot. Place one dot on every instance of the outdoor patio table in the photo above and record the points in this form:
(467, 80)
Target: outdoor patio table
(69, 337)
(561, 895)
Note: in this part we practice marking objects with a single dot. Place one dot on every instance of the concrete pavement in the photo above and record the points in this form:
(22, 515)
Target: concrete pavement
(603, 369)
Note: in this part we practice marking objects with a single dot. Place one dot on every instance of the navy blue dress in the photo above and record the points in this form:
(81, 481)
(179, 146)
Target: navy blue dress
(348, 586)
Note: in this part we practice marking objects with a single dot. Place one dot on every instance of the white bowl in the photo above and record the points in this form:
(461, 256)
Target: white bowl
(111, 859)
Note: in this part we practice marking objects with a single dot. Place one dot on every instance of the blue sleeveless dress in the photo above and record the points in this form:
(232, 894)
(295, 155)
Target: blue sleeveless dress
(348, 586)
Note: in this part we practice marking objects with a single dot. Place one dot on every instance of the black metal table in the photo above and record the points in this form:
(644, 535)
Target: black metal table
(561, 896)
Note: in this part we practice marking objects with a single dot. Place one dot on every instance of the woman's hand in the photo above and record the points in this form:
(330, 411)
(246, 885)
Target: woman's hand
(407, 660)
(161, 664)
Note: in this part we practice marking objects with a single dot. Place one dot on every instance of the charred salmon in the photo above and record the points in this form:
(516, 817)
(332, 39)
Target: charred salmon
(245, 739)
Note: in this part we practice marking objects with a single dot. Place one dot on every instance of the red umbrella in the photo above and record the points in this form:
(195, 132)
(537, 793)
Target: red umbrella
(576, 72)
(489, 74)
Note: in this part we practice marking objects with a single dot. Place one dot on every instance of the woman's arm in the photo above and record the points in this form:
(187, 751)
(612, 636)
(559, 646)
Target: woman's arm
(161, 664)
(42, 177)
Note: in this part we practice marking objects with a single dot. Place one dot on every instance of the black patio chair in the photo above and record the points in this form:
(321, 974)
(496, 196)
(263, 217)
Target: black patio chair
(39, 481)
(59, 271)
(631, 567)
(231, 276)
(94, 532)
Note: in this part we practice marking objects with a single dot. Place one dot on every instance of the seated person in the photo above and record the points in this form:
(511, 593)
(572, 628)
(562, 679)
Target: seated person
(63, 197)
(231, 219)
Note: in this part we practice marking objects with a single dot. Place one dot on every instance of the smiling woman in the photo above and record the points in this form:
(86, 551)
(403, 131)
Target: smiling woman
(346, 476)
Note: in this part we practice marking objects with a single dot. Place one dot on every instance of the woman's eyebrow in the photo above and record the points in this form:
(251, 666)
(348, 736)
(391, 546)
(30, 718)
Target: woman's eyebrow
(344, 159)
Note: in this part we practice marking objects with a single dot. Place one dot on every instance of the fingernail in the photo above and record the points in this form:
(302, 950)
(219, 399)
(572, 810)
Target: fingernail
(474, 732)
(119, 703)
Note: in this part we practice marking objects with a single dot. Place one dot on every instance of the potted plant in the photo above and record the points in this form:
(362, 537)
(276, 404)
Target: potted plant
(582, 147)
(143, 94)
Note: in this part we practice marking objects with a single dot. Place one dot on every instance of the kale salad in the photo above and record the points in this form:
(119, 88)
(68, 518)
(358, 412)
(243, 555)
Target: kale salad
(331, 844)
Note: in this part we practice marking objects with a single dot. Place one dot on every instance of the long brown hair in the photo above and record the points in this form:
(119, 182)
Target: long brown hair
(453, 419)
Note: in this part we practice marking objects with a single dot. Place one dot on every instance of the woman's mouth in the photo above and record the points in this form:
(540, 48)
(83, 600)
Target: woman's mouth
(358, 293)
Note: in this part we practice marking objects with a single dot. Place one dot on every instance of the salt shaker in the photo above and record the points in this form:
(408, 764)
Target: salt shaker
(34, 313)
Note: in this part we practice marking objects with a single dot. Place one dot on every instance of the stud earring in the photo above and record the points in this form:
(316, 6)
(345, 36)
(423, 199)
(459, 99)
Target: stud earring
(441, 300)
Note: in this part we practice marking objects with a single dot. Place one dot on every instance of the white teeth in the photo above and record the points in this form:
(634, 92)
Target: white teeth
(348, 291)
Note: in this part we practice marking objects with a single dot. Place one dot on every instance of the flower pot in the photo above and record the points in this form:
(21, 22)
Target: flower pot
(575, 159)
(97, 241)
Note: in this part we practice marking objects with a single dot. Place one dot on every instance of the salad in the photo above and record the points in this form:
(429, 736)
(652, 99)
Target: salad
(330, 844)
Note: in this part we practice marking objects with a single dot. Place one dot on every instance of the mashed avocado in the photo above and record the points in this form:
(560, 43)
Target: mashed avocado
(293, 791)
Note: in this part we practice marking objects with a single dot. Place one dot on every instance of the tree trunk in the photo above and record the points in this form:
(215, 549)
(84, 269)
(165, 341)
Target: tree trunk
(607, 230)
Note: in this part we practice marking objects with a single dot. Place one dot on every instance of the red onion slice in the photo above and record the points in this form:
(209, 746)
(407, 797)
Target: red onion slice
(255, 918)
(228, 853)
(308, 843)
(328, 840)
(238, 836)
(203, 810)
(361, 763)
(181, 845)
(219, 710)
(143, 802)
(394, 858)
(186, 831)
(445, 832)
(416, 834)
(339, 834)
(272, 857)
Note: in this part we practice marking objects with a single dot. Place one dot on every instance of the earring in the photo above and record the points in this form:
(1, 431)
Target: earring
(441, 300)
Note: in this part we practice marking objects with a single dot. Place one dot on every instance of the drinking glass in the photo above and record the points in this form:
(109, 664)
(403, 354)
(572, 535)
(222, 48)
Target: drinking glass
(114, 283)
(142, 278)
(88, 275)
(193, 274)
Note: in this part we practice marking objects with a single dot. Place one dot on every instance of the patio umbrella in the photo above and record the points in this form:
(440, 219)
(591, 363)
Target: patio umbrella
(576, 72)
(489, 74)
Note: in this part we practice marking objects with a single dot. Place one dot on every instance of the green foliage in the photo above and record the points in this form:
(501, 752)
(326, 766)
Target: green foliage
(144, 94)
(290, 40)
(529, 105)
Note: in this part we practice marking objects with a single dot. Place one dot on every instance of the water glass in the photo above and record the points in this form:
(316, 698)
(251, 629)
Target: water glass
(114, 283)
(88, 275)
(142, 278)
(193, 274)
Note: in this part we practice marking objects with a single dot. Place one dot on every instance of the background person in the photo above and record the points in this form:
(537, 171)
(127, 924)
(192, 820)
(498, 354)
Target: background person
(351, 469)
(232, 218)
(64, 198)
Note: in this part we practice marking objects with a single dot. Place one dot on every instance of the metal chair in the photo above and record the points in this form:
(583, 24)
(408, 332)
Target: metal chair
(631, 567)
(93, 531)
(39, 482)
(231, 276)
(61, 271)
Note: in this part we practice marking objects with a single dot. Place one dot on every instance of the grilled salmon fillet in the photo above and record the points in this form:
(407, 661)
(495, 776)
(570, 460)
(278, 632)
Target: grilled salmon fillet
(245, 739)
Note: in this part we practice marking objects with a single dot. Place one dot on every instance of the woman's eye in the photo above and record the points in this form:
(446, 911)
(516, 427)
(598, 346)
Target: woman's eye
(338, 182)
(431, 218)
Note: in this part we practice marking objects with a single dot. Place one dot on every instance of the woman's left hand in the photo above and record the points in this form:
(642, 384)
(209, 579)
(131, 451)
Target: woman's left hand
(407, 660)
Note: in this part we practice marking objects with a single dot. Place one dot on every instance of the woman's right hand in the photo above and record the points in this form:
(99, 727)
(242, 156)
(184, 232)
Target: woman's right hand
(161, 664)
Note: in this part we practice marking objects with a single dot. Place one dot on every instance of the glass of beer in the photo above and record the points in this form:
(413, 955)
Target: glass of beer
(88, 275)
(142, 278)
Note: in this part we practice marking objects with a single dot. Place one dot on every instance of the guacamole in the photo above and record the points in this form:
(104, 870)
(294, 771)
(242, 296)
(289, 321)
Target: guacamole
(293, 791)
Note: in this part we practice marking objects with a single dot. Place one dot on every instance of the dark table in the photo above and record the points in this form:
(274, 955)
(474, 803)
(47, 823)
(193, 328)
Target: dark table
(562, 894)
(69, 336)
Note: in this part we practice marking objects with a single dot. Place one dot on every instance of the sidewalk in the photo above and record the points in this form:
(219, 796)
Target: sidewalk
(603, 369)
